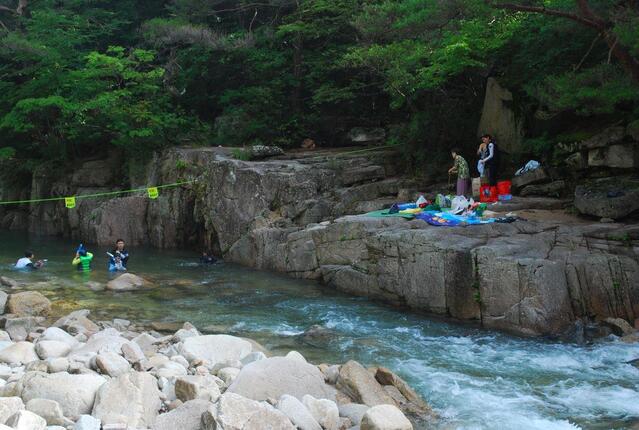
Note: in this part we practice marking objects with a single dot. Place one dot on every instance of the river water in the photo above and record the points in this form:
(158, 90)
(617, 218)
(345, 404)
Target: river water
(475, 379)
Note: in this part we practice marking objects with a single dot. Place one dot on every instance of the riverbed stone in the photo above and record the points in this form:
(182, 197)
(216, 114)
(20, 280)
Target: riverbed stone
(3, 301)
(234, 412)
(112, 364)
(385, 417)
(273, 377)
(57, 334)
(9, 406)
(9, 282)
(132, 352)
(75, 393)
(55, 365)
(51, 349)
(49, 410)
(185, 417)
(619, 326)
(87, 422)
(324, 411)
(25, 420)
(297, 413)
(215, 348)
(19, 353)
(126, 282)
(19, 328)
(228, 374)
(29, 303)
(193, 387)
(77, 322)
(361, 386)
(353, 411)
(99, 343)
(613, 198)
(132, 398)
(386, 377)
(171, 369)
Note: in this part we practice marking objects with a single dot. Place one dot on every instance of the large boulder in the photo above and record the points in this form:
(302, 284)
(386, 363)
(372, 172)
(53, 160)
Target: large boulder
(622, 156)
(112, 364)
(498, 118)
(25, 420)
(19, 328)
(273, 377)
(297, 413)
(361, 386)
(606, 138)
(77, 322)
(385, 417)
(215, 348)
(132, 398)
(193, 387)
(50, 410)
(29, 303)
(324, 411)
(388, 378)
(531, 177)
(75, 393)
(51, 349)
(610, 198)
(9, 406)
(185, 417)
(19, 353)
(3, 301)
(126, 282)
(57, 334)
(99, 343)
(234, 412)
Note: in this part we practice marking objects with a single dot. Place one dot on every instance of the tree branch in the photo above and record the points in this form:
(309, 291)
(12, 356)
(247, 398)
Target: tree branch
(594, 23)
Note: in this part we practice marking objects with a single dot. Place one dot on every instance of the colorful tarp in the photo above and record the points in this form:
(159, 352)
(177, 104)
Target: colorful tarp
(385, 214)
(445, 219)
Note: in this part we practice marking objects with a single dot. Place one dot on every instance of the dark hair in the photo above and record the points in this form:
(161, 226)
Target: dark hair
(119, 240)
(455, 150)
(28, 254)
(488, 136)
(83, 253)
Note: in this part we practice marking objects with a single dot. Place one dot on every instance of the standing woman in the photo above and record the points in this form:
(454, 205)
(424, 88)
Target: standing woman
(491, 160)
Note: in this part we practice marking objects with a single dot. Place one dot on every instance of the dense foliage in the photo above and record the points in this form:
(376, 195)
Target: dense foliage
(78, 77)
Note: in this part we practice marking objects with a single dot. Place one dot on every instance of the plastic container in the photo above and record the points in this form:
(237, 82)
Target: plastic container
(503, 187)
(504, 197)
(487, 194)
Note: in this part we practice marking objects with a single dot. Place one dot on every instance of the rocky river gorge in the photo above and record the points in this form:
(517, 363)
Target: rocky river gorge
(299, 216)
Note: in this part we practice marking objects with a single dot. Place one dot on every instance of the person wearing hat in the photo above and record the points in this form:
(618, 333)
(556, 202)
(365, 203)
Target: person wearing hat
(82, 259)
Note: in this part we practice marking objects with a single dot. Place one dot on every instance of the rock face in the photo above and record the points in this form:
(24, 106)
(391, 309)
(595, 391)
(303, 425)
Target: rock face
(498, 118)
(74, 393)
(614, 199)
(132, 398)
(273, 377)
(29, 303)
(19, 353)
(126, 282)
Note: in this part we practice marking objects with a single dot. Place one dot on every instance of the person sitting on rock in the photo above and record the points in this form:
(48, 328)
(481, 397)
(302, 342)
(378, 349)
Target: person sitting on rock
(207, 258)
(118, 258)
(26, 262)
(463, 173)
(82, 260)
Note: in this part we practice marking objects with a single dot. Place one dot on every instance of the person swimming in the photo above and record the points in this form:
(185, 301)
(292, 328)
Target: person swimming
(82, 259)
(207, 258)
(27, 263)
(118, 258)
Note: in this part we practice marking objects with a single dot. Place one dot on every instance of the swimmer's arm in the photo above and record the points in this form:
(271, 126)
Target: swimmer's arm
(76, 261)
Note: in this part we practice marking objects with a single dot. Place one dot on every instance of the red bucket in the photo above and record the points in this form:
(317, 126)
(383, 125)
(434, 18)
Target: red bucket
(503, 187)
(487, 194)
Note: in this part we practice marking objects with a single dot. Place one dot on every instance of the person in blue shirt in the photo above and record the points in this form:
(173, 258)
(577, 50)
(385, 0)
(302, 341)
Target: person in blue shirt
(118, 258)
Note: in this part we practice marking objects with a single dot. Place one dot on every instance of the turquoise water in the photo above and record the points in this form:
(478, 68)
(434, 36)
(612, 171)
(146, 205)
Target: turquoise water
(475, 379)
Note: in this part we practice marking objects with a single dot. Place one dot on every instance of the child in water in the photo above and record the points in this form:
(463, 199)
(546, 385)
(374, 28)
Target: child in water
(82, 259)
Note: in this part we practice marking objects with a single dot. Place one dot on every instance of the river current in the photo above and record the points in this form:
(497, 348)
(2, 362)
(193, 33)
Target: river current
(474, 378)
